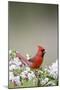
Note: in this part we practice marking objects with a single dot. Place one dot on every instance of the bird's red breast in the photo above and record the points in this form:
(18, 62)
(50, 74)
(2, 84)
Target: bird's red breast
(36, 62)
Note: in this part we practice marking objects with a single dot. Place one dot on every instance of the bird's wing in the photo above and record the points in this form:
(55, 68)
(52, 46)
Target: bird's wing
(32, 59)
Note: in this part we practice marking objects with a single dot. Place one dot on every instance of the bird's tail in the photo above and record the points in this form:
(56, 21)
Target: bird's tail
(23, 59)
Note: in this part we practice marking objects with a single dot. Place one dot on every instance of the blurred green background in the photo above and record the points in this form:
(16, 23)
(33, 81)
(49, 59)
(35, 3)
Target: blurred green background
(32, 24)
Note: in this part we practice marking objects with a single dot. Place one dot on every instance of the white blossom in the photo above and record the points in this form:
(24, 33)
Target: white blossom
(11, 67)
(15, 64)
(11, 62)
(11, 76)
(27, 55)
(24, 74)
(17, 80)
(27, 68)
(17, 61)
(44, 81)
(53, 69)
(31, 75)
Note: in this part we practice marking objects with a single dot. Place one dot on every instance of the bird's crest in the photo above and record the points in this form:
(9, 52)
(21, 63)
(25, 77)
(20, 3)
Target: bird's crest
(41, 48)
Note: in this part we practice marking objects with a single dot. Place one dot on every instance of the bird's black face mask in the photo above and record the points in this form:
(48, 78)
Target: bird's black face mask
(43, 53)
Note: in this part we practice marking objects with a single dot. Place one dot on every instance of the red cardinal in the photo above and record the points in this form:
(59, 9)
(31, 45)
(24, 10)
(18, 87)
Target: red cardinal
(34, 62)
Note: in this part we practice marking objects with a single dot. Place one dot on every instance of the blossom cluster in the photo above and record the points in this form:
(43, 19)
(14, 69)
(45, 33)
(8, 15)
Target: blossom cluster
(23, 76)
(18, 71)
